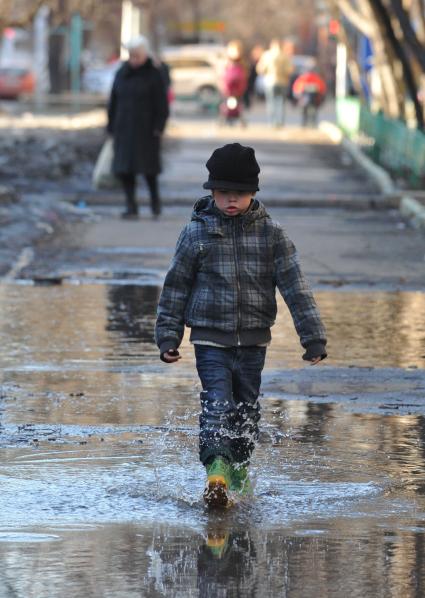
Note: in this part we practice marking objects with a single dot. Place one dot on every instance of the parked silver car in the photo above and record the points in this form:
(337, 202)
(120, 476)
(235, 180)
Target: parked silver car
(195, 71)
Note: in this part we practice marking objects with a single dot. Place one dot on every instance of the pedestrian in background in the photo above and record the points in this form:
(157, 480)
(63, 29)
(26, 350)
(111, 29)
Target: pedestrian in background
(233, 82)
(310, 91)
(222, 284)
(276, 67)
(137, 114)
(254, 56)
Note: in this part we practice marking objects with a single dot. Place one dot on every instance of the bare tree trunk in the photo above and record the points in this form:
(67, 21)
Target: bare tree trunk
(392, 86)
(363, 20)
(417, 49)
(390, 30)
(353, 65)
(352, 61)
(400, 53)
(417, 11)
(357, 19)
(57, 48)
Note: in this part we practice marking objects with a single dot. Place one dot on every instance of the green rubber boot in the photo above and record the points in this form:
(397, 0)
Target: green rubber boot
(219, 480)
(217, 543)
(240, 480)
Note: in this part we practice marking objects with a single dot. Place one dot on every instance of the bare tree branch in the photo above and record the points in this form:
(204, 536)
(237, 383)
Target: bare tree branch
(383, 18)
(352, 61)
(355, 18)
(414, 44)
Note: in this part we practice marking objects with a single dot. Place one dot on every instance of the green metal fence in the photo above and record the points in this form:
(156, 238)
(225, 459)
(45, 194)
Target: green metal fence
(394, 145)
(388, 142)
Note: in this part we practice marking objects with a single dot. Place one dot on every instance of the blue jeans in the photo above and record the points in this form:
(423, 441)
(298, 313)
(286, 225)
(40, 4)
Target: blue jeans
(275, 102)
(231, 380)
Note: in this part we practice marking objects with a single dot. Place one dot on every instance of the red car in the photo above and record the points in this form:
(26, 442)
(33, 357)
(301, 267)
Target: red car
(15, 82)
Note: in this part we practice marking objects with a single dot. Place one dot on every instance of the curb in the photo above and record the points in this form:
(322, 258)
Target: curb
(30, 221)
(410, 208)
(377, 173)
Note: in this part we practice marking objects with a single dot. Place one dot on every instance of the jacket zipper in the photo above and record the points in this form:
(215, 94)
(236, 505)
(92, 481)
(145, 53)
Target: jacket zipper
(238, 283)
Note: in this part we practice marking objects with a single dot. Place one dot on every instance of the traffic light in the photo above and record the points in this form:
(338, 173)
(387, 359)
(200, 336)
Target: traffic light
(333, 28)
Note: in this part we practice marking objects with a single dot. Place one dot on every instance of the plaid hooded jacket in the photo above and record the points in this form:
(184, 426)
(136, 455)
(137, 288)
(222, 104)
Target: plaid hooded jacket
(223, 278)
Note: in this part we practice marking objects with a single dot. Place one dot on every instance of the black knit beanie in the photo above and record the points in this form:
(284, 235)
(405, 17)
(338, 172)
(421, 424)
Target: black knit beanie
(233, 167)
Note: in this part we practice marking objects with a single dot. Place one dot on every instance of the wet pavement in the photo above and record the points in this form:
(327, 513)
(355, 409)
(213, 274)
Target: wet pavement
(296, 163)
(101, 487)
(339, 248)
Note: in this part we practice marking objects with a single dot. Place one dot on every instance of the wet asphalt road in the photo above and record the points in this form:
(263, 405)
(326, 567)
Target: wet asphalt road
(100, 483)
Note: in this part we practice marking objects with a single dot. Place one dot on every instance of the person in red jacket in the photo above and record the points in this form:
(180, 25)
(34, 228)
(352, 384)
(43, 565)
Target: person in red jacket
(234, 81)
(310, 91)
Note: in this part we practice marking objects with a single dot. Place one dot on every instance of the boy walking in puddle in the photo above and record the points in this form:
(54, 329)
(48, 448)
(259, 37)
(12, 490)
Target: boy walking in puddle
(222, 283)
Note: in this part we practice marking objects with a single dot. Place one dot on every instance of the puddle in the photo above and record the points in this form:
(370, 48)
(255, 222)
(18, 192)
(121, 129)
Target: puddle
(14, 537)
(313, 520)
(115, 323)
(101, 488)
(124, 483)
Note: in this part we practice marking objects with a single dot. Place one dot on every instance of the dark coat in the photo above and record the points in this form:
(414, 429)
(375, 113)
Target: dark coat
(137, 113)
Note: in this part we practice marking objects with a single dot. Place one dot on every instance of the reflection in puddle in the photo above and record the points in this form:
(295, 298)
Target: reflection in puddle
(219, 559)
(116, 323)
(6, 536)
(100, 481)
(130, 311)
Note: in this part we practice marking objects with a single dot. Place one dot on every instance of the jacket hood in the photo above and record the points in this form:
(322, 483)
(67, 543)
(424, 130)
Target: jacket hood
(205, 210)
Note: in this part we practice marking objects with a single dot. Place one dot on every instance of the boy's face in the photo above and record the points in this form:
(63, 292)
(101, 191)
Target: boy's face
(232, 203)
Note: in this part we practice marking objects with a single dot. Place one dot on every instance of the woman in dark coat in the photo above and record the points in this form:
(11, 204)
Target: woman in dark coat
(137, 113)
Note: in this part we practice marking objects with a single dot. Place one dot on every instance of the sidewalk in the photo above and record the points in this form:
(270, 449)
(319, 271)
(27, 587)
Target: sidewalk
(299, 167)
(304, 175)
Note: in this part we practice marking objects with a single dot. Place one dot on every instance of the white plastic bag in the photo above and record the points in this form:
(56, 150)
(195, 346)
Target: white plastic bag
(103, 177)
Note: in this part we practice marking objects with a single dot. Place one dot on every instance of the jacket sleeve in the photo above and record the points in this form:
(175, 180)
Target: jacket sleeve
(175, 294)
(160, 102)
(298, 297)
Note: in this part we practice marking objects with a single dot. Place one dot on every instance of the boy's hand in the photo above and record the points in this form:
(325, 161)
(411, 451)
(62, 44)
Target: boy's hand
(171, 356)
(315, 353)
(315, 360)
